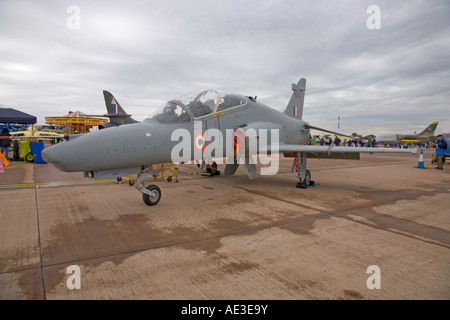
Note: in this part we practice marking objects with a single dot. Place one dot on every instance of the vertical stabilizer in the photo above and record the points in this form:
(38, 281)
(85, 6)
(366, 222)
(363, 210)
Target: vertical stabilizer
(429, 131)
(117, 116)
(112, 105)
(295, 105)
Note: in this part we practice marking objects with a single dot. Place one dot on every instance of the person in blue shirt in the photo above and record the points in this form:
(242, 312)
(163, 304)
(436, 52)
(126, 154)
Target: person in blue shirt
(441, 145)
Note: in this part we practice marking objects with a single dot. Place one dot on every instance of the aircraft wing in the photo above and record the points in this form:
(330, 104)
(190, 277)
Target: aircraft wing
(50, 134)
(19, 132)
(332, 151)
(44, 133)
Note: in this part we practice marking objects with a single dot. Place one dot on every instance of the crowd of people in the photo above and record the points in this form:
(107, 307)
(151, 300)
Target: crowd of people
(369, 142)
(356, 142)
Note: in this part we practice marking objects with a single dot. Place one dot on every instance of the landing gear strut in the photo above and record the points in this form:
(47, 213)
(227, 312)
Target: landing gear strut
(151, 194)
(303, 174)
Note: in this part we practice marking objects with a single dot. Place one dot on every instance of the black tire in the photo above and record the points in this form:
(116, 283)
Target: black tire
(151, 201)
(169, 179)
(307, 180)
(29, 157)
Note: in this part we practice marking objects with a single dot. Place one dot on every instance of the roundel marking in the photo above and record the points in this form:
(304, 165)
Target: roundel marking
(199, 142)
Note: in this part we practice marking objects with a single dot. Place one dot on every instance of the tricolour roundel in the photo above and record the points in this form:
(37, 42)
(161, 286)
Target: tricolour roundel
(199, 142)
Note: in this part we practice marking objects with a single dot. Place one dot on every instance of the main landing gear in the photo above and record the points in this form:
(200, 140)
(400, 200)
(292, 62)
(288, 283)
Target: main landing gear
(303, 174)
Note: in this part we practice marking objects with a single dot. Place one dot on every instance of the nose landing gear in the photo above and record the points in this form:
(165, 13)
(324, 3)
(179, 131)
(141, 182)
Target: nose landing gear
(150, 194)
(153, 196)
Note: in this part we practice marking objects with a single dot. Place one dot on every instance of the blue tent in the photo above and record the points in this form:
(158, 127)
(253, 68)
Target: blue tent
(8, 115)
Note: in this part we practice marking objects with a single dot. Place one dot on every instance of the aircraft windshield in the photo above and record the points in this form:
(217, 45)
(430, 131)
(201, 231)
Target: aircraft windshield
(211, 101)
(171, 112)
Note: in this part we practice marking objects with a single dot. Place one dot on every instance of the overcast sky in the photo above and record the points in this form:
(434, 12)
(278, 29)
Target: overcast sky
(395, 79)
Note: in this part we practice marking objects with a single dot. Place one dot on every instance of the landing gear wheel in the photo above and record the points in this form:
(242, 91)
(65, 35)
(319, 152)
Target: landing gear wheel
(169, 179)
(154, 198)
(131, 183)
(29, 157)
(306, 182)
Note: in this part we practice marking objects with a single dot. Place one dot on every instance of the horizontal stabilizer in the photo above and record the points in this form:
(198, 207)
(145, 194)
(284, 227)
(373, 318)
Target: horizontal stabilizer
(328, 131)
(116, 115)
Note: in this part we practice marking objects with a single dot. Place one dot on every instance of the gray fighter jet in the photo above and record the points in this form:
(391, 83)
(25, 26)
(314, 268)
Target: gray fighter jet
(186, 128)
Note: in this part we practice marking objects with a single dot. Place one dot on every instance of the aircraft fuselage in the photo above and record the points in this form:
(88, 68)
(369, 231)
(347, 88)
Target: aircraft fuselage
(132, 146)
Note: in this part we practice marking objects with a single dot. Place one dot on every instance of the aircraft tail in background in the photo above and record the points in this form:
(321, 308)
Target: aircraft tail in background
(116, 114)
(429, 131)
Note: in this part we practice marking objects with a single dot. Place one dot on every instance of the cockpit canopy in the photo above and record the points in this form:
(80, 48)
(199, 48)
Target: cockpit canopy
(171, 112)
(197, 106)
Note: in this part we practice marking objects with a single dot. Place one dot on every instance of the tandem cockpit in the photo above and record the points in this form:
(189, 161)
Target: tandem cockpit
(199, 105)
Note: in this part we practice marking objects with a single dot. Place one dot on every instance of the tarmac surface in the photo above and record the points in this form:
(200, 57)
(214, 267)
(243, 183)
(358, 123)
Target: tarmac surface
(230, 237)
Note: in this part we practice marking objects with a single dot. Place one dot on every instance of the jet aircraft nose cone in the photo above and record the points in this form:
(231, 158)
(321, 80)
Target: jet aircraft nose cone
(46, 155)
(71, 156)
(55, 155)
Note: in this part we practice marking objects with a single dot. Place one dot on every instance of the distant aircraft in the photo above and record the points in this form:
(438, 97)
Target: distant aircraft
(188, 128)
(427, 135)
(33, 133)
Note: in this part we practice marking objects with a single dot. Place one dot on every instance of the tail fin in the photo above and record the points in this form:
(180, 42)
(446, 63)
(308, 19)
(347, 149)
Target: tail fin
(295, 105)
(112, 105)
(429, 131)
(117, 116)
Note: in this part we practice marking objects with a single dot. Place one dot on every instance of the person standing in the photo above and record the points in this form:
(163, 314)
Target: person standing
(5, 142)
(337, 141)
(441, 145)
